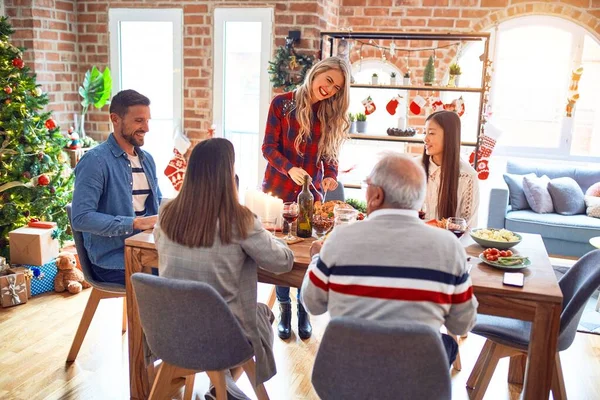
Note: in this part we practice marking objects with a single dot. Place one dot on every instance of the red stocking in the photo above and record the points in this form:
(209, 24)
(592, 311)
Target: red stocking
(369, 105)
(175, 170)
(393, 104)
(488, 142)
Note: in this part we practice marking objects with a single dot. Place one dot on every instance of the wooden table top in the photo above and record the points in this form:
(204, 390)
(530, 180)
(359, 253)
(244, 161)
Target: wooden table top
(540, 281)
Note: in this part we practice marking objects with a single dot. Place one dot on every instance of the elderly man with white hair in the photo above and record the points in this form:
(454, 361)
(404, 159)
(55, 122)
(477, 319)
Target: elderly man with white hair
(393, 266)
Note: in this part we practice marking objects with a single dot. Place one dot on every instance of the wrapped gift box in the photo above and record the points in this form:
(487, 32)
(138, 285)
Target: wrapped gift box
(32, 246)
(13, 290)
(42, 280)
(28, 275)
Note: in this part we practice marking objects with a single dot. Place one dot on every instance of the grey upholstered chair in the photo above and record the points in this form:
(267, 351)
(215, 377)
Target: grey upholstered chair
(363, 359)
(100, 290)
(508, 337)
(189, 326)
(336, 194)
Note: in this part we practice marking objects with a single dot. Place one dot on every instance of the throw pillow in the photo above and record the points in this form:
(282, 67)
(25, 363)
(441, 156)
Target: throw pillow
(593, 190)
(567, 196)
(593, 206)
(536, 192)
(516, 195)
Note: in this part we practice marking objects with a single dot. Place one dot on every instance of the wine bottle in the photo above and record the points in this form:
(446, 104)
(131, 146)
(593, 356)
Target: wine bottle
(305, 214)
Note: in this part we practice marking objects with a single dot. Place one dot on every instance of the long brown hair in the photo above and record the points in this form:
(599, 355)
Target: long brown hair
(332, 114)
(450, 168)
(208, 199)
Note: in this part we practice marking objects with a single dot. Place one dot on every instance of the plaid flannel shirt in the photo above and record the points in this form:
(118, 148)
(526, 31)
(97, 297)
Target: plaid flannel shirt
(278, 148)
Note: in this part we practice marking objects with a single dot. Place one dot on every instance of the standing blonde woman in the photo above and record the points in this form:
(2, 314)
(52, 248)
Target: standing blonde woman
(205, 234)
(452, 185)
(304, 134)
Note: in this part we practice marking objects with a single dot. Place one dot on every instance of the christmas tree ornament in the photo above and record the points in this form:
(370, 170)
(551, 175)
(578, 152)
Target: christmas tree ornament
(27, 175)
(50, 124)
(17, 62)
(52, 190)
(417, 105)
(8, 90)
(392, 105)
(43, 180)
(486, 146)
(575, 77)
(370, 106)
(573, 94)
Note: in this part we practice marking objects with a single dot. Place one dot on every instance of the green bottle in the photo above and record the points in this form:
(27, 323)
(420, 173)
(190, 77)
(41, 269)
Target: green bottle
(305, 214)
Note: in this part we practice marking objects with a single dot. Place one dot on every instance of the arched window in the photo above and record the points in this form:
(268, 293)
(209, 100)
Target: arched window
(533, 61)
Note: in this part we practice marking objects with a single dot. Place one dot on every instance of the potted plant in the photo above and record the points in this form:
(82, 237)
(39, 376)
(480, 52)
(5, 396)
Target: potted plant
(361, 123)
(455, 73)
(406, 78)
(392, 78)
(95, 91)
(352, 119)
(429, 73)
(374, 79)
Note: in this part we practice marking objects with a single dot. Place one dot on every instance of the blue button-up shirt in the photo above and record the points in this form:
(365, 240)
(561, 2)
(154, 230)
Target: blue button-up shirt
(103, 201)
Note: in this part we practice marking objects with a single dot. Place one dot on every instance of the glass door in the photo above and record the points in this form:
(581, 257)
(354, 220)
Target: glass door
(146, 55)
(242, 93)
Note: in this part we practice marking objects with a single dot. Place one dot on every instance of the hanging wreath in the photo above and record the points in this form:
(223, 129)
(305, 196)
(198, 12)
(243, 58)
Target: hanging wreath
(289, 68)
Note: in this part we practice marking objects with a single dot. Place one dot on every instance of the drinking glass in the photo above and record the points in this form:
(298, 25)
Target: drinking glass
(321, 225)
(270, 224)
(344, 214)
(456, 225)
(290, 214)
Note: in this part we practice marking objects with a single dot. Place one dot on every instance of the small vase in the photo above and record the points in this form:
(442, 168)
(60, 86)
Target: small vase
(406, 80)
(452, 80)
(80, 125)
(361, 126)
(393, 81)
(353, 127)
(457, 81)
(374, 80)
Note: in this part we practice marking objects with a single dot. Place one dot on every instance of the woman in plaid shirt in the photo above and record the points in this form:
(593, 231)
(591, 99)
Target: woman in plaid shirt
(304, 134)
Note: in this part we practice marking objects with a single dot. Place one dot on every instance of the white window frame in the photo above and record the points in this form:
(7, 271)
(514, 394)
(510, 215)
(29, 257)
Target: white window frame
(173, 15)
(266, 17)
(562, 152)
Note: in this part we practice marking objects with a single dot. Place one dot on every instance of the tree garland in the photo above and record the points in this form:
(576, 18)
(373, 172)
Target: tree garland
(289, 68)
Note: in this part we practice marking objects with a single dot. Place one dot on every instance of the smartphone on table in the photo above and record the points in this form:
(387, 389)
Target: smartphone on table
(514, 279)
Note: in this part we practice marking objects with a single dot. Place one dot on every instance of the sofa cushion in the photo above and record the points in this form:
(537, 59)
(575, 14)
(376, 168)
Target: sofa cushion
(572, 228)
(567, 196)
(593, 190)
(516, 195)
(593, 206)
(584, 176)
(537, 194)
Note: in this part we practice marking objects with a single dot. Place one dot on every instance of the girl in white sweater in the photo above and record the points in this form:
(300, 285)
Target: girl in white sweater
(452, 185)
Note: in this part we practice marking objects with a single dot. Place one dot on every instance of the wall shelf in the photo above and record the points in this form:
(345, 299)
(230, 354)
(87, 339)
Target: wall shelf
(414, 87)
(405, 139)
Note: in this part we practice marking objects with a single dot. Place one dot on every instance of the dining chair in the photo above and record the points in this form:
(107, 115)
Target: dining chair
(337, 193)
(100, 290)
(189, 327)
(507, 337)
(366, 359)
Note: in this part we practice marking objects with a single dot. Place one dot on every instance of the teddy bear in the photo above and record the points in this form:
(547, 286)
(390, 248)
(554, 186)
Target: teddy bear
(69, 277)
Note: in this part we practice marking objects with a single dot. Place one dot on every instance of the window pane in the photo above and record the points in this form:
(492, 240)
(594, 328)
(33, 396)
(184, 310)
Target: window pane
(586, 129)
(532, 71)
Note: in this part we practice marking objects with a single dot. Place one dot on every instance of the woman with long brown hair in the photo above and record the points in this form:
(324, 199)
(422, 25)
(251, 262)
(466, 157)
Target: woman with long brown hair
(205, 234)
(452, 185)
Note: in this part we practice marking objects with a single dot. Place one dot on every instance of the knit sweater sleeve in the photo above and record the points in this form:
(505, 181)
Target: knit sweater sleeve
(468, 192)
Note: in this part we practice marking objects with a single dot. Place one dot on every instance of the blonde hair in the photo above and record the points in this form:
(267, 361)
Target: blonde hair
(332, 114)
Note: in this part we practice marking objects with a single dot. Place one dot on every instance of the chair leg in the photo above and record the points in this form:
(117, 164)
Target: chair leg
(559, 392)
(488, 368)
(478, 367)
(162, 382)
(124, 328)
(598, 304)
(273, 297)
(217, 378)
(456, 364)
(189, 387)
(84, 324)
(250, 368)
(516, 369)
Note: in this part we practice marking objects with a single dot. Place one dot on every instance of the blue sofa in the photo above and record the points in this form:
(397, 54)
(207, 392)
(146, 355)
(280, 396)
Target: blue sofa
(563, 235)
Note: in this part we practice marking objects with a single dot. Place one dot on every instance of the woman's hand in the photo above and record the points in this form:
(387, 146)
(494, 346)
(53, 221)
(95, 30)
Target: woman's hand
(329, 184)
(297, 175)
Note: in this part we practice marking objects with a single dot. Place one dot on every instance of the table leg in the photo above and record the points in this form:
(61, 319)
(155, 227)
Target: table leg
(542, 351)
(272, 297)
(138, 379)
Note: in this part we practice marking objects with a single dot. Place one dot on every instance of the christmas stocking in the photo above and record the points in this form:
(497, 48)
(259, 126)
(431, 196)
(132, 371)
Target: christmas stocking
(369, 105)
(175, 170)
(393, 104)
(488, 142)
(575, 76)
(436, 104)
(417, 105)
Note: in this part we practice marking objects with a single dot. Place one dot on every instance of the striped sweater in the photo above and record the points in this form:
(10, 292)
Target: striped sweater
(392, 266)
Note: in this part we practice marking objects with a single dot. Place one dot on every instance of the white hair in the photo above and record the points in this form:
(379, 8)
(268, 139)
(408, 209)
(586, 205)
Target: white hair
(402, 180)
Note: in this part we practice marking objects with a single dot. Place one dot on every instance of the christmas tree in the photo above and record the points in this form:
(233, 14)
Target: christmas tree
(36, 181)
(429, 73)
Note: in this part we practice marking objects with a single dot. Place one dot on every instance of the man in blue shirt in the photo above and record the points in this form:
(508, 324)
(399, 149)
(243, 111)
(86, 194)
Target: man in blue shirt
(116, 189)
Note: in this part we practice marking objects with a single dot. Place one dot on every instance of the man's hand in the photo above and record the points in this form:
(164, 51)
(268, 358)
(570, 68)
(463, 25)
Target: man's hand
(315, 247)
(144, 223)
(329, 184)
(297, 175)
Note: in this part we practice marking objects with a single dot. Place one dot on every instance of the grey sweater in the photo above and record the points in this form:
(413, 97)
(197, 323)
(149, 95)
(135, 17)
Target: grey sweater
(392, 266)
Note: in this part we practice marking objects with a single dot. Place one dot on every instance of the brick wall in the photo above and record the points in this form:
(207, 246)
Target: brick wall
(48, 29)
(82, 35)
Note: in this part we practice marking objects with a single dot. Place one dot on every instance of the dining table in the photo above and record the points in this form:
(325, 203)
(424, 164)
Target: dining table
(538, 301)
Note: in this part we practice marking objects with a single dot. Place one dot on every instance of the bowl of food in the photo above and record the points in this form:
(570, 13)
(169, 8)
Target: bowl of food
(501, 239)
(322, 224)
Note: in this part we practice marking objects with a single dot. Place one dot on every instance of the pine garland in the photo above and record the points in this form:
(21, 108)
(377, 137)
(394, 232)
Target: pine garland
(289, 68)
